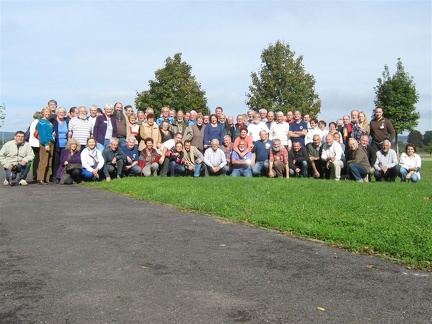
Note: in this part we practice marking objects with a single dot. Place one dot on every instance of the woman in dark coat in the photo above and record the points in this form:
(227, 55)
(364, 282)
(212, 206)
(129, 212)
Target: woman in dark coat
(71, 154)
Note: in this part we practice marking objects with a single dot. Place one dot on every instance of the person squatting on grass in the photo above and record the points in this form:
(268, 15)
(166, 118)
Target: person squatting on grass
(386, 164)
(410, 164)
(16, 157)
(187, 143)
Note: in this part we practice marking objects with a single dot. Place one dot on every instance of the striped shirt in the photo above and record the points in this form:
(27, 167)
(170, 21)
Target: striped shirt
(81, 129)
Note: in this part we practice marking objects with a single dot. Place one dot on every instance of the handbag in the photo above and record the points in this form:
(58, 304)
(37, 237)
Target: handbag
(66, 178)
(73, 166)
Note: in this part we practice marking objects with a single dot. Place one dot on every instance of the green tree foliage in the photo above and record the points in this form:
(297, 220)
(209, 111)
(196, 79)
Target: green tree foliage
(397, 95)
(175, 87)
(427, 138)
(282, 83)
(416, 138)
(428, 148)
(2, 114)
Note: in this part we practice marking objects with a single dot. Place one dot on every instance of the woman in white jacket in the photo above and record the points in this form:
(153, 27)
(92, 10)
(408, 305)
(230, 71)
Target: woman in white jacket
(410, 164)
(92, 161)
(34, 142)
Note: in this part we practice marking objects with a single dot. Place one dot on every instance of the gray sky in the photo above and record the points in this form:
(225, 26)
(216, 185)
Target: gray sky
(98, 52)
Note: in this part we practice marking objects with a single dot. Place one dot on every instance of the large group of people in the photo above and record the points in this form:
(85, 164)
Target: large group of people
(70, 146)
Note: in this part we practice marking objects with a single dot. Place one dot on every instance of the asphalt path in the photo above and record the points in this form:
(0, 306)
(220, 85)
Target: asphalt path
(72, 254)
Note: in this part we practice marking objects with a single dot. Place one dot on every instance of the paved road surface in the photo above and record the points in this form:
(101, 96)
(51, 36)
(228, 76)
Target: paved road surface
(71, 254)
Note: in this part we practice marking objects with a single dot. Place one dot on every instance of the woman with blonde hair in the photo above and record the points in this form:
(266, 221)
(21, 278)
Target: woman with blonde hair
(361, 127)
(363, 122)
(46, 146)
(70, 163)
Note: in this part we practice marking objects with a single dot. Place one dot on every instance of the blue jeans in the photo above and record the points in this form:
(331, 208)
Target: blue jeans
(135, 170)
(247, 173)
(403, 173)
(87, 175)
(259, 166)
(176, 169)
(100, 147)
(197, 169)
(23, 171)
(357, 171)
(303, 170)
(122, 141)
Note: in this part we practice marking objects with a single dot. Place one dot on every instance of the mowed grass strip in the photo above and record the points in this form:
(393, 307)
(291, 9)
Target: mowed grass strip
(393, 220)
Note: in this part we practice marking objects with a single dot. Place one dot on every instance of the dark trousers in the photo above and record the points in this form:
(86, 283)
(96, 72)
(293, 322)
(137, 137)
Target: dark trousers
(390, 175)
(35, 161)
(56, 160)
(165, 168)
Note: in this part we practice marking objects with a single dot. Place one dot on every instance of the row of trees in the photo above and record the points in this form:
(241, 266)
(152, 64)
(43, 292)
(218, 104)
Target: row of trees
(281, 83)
(422, 142)
(419, 140)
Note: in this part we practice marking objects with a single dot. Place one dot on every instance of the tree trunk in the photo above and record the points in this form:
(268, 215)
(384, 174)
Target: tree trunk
(397, 145)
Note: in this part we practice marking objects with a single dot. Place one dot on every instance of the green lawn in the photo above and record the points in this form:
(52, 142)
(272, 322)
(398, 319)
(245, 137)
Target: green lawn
(389, 219)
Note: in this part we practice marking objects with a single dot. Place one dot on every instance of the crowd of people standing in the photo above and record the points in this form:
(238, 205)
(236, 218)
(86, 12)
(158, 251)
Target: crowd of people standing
(69, 146)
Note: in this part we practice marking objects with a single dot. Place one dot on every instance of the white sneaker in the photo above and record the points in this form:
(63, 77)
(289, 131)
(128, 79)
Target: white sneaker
(6, 182)
(366, 179)
(22, 182)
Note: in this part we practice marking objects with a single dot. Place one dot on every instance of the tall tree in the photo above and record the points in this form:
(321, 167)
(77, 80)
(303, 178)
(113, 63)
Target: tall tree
(282, 83)
(175, 87)
(416, 138)
(397, 95)
(427, 138)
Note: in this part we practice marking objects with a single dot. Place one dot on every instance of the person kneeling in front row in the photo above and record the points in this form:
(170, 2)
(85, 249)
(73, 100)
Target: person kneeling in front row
(92, 161)
(215, 160)
(16, 157)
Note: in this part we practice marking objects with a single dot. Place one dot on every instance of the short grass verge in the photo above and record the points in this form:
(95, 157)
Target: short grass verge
(393, 220)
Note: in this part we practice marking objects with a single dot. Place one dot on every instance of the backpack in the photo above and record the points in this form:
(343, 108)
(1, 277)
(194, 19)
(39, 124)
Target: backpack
(27, 134)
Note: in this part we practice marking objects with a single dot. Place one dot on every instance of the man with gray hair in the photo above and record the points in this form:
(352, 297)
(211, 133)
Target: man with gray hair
(278, 161)
(192, 117)
(215, 160)
(121, 121)
(256, 126)
(263, 115)
(105, 128)
(280, 130)
(114, 158)
(131, 167)
(333, 156)
(93, 115)
(80, 128)
(386, 164)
